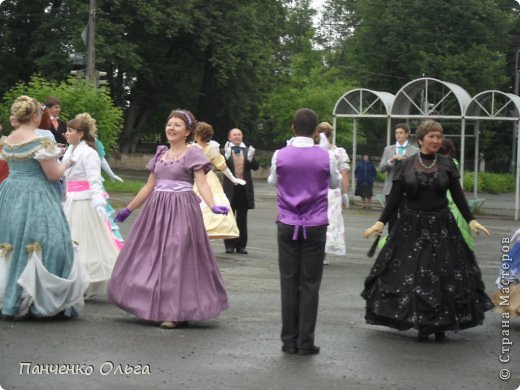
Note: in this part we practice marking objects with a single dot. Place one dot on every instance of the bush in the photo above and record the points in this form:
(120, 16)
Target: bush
(76, 96)
(380, 176)
(493, 183)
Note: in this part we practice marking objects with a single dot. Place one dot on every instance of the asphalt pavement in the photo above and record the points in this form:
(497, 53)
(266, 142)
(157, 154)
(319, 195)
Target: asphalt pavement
(107, 348)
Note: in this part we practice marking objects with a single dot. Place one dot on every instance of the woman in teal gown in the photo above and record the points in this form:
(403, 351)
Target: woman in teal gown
(39, 271)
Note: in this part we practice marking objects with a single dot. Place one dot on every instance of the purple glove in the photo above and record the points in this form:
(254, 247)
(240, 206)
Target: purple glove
(220, 210)
(122, 215)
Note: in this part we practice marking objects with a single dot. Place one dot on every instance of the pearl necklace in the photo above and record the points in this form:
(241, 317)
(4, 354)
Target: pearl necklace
(427, 166)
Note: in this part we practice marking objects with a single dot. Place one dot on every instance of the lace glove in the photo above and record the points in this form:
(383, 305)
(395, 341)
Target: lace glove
(345, 200)
(108, 170)
(232, 178)
(324, 142)
(220, 210)
(250, 153)
(122, 215)
(376, 229)
(477, 227)
(227, 150)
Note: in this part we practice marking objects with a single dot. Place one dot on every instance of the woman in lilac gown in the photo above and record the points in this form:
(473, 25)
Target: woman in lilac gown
(166, 271)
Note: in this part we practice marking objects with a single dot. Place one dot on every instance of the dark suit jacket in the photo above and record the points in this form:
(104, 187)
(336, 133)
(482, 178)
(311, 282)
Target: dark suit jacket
(229, 187)
(59, 133)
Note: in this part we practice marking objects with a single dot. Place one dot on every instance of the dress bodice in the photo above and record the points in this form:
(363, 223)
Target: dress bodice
(181, 169)
(23, 159)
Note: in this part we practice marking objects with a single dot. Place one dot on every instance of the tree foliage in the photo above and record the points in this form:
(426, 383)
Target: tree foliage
(76, 96)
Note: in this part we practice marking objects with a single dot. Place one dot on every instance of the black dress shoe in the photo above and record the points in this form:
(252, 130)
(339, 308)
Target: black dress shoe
(288, 349)
(440, 337)
(242, 251)
(229, 250)
(314, 350)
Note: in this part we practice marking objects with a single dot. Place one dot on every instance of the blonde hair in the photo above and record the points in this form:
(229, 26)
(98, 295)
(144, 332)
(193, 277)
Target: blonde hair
(85, 116)
(326, 127)
(24, 108)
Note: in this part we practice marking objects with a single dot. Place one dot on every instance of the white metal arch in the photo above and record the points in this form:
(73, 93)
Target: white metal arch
(430, 98)
(496, 105)
(362, 103)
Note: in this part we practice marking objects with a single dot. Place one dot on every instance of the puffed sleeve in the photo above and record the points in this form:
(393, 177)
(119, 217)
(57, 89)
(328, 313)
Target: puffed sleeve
(196, 160)
(158, 153)
(46, 150)
(343, 159)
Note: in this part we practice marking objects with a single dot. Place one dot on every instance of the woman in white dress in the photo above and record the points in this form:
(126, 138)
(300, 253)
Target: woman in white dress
(336, 230)
(85, 207)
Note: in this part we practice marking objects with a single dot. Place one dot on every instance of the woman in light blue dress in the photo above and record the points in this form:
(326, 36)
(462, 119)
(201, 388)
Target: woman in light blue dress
(39, 271)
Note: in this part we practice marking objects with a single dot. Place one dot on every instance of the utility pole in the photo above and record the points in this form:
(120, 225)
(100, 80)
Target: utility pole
(91, 43)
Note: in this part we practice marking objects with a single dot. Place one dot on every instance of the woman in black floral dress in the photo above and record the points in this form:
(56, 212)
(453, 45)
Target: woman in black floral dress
(426, 277)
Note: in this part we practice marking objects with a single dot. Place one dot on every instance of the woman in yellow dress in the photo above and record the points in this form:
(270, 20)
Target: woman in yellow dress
(217, 226)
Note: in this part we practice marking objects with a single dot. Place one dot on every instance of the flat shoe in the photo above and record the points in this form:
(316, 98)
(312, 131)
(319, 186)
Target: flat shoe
(168, 325)
(288, 349)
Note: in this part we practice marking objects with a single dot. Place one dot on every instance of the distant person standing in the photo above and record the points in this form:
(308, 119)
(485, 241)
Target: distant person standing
(365, 176)
(241, 162)
(393, 153)
(57, 127)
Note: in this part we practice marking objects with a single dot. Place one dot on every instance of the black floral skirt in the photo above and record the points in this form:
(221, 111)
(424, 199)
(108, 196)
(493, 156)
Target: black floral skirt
(426, 277)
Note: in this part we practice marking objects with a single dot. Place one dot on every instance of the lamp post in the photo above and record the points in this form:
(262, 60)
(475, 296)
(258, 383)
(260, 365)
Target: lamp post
(515, 127)
(516, 72)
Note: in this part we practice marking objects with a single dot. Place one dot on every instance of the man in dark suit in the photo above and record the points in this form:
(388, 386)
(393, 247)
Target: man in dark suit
(57, 127)
(241, 161)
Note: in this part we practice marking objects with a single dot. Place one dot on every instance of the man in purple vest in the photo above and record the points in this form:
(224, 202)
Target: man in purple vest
(302, 173)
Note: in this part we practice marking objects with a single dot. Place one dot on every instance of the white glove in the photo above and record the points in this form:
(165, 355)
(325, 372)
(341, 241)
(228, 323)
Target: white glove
(289, 141)
(324, 142)
(232, 178)
(102, 211)
(108, 170)
(250, 153)
(227, 150)
(345, 200)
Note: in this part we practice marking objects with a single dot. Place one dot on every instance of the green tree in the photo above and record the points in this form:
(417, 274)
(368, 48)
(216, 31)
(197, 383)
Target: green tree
(76, 96)
(394, 42)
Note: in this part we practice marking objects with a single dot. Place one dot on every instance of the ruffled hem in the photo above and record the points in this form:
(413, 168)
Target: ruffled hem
(49, 294)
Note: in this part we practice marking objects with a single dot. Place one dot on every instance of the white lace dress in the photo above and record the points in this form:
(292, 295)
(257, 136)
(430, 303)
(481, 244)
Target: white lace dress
(336, 230)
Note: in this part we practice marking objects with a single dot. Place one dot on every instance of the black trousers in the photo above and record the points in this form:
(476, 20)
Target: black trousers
(301, 270)
(239, 207)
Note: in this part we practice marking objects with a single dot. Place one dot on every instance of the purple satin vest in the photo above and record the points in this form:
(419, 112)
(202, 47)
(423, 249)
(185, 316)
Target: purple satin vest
(303, 181)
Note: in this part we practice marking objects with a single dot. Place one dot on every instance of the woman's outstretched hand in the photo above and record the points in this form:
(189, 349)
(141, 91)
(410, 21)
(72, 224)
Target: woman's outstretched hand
(477, 227)
(122, 215)
(220, 210)
(375, 229)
